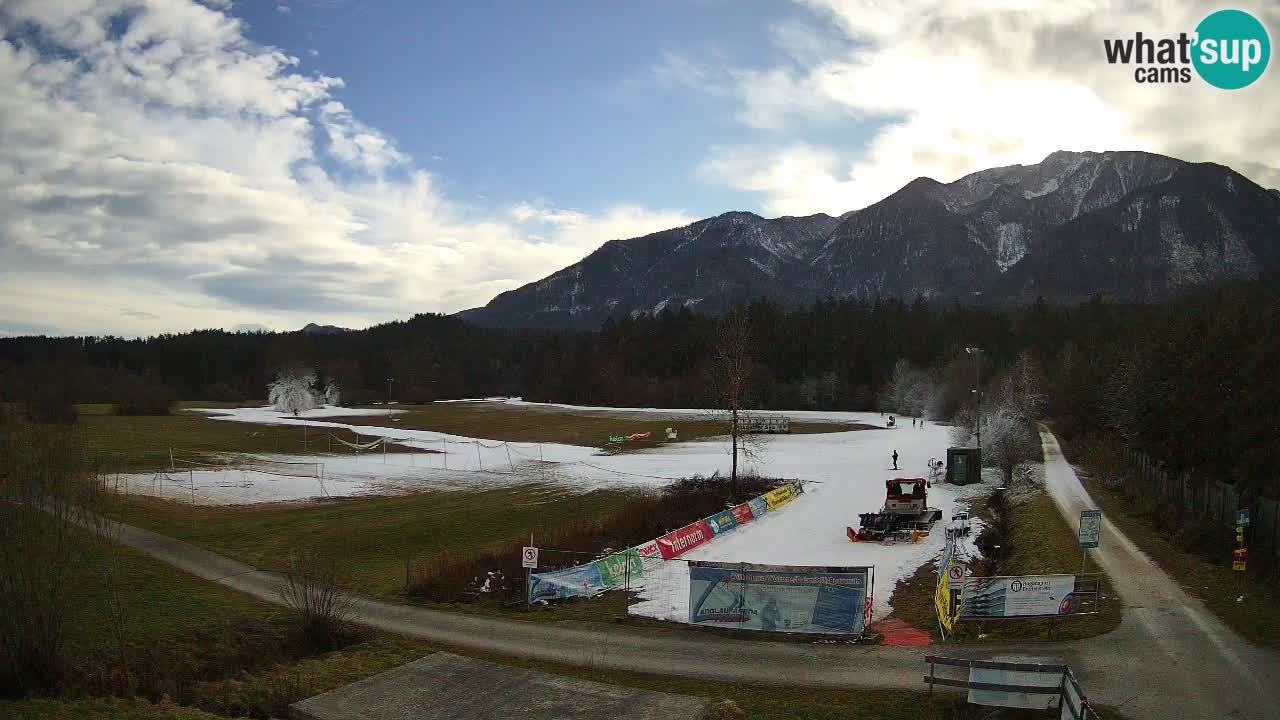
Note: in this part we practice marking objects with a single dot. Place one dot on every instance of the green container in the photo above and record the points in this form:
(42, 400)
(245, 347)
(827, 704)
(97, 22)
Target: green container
(964, 466)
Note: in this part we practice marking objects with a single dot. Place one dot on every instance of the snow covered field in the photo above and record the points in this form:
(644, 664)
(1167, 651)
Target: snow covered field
(845, 473)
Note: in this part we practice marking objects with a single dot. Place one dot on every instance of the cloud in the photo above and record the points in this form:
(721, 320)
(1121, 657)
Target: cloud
(152, 158)
(947, 88)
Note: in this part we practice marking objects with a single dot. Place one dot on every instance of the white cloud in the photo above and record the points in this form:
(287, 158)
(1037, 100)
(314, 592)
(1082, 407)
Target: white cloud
(179, 171)
(953, 87)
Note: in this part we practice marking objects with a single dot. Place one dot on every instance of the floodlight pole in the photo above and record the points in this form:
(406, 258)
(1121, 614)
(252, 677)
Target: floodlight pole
(977, 388)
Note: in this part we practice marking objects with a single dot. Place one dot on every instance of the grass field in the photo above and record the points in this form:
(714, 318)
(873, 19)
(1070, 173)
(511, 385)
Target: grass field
(495, 421)
(1039, 542)
(374, 535)
(142, 443)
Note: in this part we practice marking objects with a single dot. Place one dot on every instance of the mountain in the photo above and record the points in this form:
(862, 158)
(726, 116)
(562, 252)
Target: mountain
(314, 329)
(1124, 225)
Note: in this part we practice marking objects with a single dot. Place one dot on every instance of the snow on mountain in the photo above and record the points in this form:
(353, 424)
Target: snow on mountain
(1122, 224)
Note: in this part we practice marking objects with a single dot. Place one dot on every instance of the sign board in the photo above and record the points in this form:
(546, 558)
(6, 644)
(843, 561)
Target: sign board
(1242, 518)
(1237, 565)
(779, 598)
(529, 557)
(1090, 529)
(955, 576)
(1020, 596)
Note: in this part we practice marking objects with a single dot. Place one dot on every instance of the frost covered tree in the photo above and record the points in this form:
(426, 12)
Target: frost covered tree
(1009, 417)
(292, 390)
(332, 393)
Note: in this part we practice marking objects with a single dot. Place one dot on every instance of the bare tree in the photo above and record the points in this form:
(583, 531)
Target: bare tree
(46, 492)
(313, 591)
(732, 363)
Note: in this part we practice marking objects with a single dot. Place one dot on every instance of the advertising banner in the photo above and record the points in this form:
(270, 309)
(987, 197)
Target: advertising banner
(1022, 596)
(742, 513)
(581, 581)
(678, 542)
(758, 507)
(722, 522)
(779, 496)
(617, 569)
(946, 600)
(778, 598)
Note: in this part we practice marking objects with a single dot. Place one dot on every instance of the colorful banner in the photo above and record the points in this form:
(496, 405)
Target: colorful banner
(580, 581)
(619, 569)
(678, 542)
(758, 506)
(742, 513)
(722, 522)
(778, 598)
(1022, 596)
(946, 601)
(779, 496)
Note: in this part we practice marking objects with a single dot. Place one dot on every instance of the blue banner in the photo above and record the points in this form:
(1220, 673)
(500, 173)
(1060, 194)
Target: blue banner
(758, 507)
(778, 598)
(722, 522)
(580, 581)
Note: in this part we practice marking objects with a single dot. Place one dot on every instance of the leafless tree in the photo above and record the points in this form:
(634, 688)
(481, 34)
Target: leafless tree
(313, 591)
(46, 494)
(732, 364)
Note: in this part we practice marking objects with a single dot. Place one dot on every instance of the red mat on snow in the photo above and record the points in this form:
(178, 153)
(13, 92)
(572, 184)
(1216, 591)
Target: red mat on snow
(899, 634)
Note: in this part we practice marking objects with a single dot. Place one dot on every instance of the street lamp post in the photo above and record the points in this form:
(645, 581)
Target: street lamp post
(389, 381)
(977, 387)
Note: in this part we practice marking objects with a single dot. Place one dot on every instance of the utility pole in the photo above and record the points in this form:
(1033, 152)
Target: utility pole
(389, 381)
(977, 387)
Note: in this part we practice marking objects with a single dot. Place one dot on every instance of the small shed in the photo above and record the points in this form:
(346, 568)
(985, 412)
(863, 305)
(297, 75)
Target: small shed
(964, 465)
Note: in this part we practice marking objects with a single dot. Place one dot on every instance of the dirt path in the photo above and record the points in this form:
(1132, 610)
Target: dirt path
(1182, 660)
(1169, 658)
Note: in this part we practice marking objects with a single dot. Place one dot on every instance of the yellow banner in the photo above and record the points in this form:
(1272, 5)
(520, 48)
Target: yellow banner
(946, 602)
(779, 496)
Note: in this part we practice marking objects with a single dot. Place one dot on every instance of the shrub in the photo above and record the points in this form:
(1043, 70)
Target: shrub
(313, 591)
(133, 395)
(449, 578)
(51, 402)
(222, 392)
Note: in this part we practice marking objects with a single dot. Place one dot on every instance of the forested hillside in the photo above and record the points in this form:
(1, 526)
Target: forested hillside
(1192, 382)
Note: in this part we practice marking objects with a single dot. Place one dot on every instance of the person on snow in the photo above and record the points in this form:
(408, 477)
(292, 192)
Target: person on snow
(895, 459)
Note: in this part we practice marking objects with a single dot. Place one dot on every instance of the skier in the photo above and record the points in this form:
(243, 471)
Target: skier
(895, 459)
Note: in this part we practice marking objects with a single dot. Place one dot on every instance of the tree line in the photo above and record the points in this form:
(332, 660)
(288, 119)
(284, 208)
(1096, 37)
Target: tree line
(1191, 381)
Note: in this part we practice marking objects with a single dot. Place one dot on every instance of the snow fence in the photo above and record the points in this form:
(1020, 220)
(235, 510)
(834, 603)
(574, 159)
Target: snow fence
(629, 567)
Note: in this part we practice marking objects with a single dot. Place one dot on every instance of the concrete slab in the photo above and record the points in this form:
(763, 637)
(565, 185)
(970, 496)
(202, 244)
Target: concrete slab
(443, 686)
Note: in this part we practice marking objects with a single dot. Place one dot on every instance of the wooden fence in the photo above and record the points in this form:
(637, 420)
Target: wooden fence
(1214, 503)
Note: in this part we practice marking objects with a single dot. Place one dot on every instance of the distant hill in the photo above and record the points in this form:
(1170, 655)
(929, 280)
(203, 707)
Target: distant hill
(314, 329)
(1128, 226)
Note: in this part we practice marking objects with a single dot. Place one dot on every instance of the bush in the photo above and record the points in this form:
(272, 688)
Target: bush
(133, 395)
(51, 403)
(313, 591)
(222, 392)
(449, 578)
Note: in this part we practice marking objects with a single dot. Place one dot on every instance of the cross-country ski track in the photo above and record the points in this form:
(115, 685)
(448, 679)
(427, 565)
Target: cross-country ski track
(1170, 657)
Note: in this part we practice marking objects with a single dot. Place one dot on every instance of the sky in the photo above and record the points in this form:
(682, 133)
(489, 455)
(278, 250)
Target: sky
(172, 164)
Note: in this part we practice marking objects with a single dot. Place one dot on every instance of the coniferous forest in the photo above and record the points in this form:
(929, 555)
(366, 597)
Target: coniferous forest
(1193, 382)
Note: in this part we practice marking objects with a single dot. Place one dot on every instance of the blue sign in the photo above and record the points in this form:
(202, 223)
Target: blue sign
(758, 507)
(1242, 518)
(722, 522)
(778, 598)
(580, 581)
